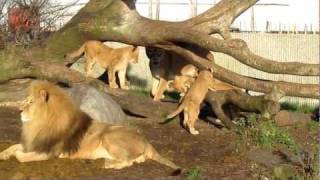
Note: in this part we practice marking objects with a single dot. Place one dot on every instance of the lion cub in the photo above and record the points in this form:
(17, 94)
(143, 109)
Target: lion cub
(190, 104)
(180, 84)
(113, 60)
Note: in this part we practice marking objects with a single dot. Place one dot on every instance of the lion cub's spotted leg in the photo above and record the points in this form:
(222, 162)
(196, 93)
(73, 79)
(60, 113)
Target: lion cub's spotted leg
(155, 83)
(88, 66)
(185, 118)
(122, 79)
(192, 118)
(161, 88)
(9, 152)
(112, 78)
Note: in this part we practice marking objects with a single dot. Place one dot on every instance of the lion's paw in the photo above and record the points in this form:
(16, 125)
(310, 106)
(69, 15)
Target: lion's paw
(194, 132)
(125, 87)
(4, 156)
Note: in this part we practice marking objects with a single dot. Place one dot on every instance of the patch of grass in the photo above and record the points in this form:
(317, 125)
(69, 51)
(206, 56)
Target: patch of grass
(304, 108)
(172, 95)
(245, 123)
(270, 135)
(194, 173)
(313, 125)
(265, 134)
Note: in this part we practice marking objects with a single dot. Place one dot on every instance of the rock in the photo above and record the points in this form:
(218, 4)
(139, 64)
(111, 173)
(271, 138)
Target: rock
(287, 118)
(99, 105)
(284, 164)
(284, 172)
(265, 157)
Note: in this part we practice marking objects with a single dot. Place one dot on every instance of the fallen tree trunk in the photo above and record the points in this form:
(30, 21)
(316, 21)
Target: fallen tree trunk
(267, 105)
(118, 20)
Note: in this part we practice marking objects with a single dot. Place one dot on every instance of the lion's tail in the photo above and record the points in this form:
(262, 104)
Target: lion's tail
(76, 53)
(154, 155)
(177, 111)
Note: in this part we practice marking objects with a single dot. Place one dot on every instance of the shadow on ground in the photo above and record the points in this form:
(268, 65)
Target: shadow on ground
(211, 153)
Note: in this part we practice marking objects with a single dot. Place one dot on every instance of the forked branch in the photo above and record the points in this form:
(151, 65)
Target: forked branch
(219, 18)
(291, 89)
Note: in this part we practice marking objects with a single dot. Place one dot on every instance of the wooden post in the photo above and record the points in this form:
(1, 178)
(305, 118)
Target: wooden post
(267, 26)
(150, 9)
(157, 9)
(280, 28)
(193, 8)
(253, 28)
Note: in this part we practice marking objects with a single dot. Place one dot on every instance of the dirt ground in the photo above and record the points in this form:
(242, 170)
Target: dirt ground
(214, 153)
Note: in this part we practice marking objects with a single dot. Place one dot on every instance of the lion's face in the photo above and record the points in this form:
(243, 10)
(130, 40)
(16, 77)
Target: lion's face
(30, 106)
(134, 57)
(28, 109)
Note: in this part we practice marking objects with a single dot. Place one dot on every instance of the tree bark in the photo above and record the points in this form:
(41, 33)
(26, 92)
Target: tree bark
(264, 105)
(118, 20)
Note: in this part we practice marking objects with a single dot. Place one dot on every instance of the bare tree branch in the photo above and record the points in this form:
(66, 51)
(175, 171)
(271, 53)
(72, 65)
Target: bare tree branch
(291, 89)
(219, 18)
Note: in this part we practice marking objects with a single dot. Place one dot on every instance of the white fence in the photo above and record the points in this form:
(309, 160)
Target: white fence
(284, 46)
(262, 17)
(280, 47)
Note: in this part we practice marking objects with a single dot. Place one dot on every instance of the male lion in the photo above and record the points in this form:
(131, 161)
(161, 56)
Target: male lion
(191, 102)
(113, 60)
(54, 127)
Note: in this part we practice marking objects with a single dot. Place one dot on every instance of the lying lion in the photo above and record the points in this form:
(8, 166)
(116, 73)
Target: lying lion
(113, 60)
(54, 127)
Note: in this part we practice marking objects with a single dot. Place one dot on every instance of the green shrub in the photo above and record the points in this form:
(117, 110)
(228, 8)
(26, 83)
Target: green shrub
(304, 108)
(194, 173)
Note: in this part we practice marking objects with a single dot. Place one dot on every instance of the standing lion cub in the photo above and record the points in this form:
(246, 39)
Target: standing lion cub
(190, 104)
(54, 127)
(113, 60)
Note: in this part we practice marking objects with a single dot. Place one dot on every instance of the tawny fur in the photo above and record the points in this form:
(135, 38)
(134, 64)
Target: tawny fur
(222, 86)
(190, 104)
(180, 84)
(162, 82)
(53, 126)
(113, 60)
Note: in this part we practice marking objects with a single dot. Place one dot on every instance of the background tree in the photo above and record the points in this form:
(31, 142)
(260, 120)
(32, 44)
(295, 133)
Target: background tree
(118, 20)
(30, 17)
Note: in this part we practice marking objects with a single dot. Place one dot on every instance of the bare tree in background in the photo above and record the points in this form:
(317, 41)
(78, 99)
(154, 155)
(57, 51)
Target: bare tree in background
(46, 12)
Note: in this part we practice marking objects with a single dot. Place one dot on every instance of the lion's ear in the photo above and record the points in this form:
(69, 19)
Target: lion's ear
(44, 95)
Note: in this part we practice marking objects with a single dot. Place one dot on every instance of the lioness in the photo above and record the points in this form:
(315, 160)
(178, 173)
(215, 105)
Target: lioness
(167, 65)
(54, 127)
(191, 102)
(113, 60)
(178, 81)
